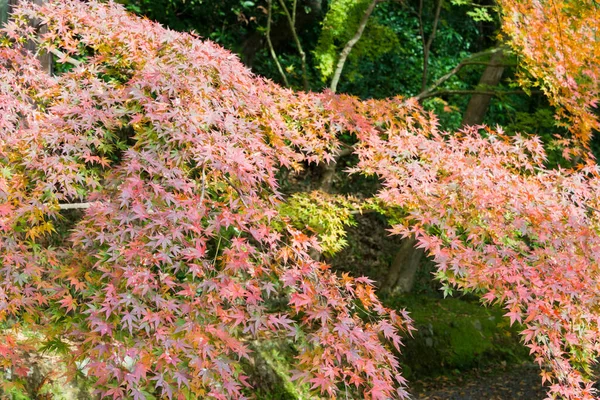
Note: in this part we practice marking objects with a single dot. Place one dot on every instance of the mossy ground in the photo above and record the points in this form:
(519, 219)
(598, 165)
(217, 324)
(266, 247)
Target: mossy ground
(455, 334)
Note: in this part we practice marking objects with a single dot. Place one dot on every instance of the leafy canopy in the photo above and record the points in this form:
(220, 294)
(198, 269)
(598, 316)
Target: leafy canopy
(558, 43)
(183, 255)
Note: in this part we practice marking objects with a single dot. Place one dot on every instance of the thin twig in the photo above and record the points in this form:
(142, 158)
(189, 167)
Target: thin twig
(427, 45)
(294, 8)
(421, 25)
(203, 184)
(497, 93)
(239, 192)
(590, 208)
(298, 44)
(427, 93)
(486, 63)
(271, 49)
(217, 250)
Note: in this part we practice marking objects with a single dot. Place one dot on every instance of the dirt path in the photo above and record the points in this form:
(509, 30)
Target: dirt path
(520, 382)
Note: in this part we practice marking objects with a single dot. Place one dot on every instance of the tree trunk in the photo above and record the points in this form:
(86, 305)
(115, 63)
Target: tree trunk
(4, 10)
(402, 272)
(6, 7)
(327, 175)
(479, 103)
(348, 47)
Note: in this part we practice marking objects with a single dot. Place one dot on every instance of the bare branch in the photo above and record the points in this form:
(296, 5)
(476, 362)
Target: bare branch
(436, 20)
(497, 93)
(204, 182)
(348, 48)
(590, 208)
(239, 192)
(294, 8)
(298, 44)
(271, 49)
(486, 63)
(74, 206)
(421, 26)
(63, 57)
(427, 44)
(328, 169)
(489, 80)
(346, 151)
(427, 93)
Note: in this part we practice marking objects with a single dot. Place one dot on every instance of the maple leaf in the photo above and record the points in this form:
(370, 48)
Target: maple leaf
(69, 303)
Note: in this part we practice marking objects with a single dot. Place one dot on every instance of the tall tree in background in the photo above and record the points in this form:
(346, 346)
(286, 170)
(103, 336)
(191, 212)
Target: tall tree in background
(480, 102)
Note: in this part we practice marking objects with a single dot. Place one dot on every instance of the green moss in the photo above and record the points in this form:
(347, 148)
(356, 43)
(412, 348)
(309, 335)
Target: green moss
(456, 334)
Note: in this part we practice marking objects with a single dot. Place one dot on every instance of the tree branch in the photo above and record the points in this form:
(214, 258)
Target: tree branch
(328, 169)
(294, 8)
(74, 206)
(348, 48)
(270, 44)
(346, 151)
(421, 25)
(489, 80)
(427, 93)
(298, 44)
(488, 63)
(497, 93)
(427, 45)
(204, 182)
(65, 58)
(239, 192)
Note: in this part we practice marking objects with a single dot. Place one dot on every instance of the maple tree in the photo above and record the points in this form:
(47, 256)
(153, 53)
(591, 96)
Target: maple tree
(181, 255)
(558, 44)
(170, 147)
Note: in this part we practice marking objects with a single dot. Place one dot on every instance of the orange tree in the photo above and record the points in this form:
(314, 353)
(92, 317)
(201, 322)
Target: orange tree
(139, 211)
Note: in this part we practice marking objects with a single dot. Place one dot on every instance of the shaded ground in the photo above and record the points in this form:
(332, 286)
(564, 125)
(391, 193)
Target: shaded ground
(518, 382)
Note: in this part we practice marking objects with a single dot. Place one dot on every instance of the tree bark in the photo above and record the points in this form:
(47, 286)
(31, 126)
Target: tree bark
(6, 7)
(480, 102)
(327, 175)
(4, 11)
(402, 272)
(328, 170)
(348, 47)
